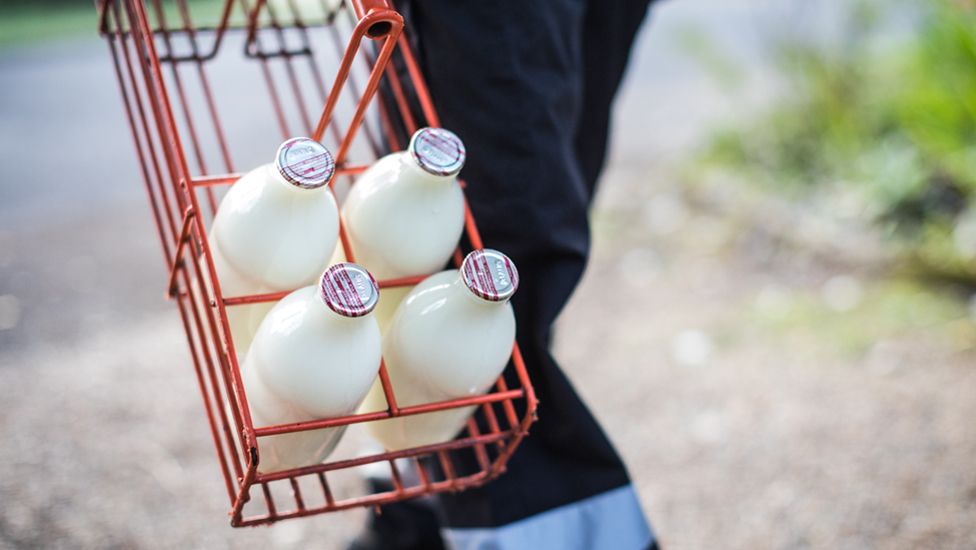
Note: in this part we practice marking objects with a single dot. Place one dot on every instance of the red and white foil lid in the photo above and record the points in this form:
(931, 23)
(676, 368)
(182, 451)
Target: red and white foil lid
(349, 290)
(437, 151)
(490, 275)
(305, 163)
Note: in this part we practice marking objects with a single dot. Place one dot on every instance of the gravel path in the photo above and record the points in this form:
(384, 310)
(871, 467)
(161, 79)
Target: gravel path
(742, 435)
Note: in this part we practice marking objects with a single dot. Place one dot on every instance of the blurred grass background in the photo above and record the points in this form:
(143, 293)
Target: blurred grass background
(887, 128)
(24, 22)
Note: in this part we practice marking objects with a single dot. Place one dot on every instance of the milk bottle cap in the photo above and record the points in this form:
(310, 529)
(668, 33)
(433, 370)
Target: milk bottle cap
(490, 275)
(349, 290)
(438, 151)
(305, 163)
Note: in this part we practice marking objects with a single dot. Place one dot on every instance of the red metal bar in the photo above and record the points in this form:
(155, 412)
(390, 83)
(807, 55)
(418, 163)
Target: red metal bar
(171, 143)
(153, 202)
(230, 179)
(396, 23)
(164, 195)
(184, 104)
(169, 137)
(204, 83)
(479, 449)
(389, 44)
(395, 476)
(491, 418)
(421, 473)
(252, 23)
(221, 179)
(214, 432)
(380, 415)
(268, 499)
(391, 403)
(439, 448)
(296, 89)
(337, 85)
(220, 30)
(157, 171)
(523, 375)
(365, 8)
(207, 344)
(317, 78)
(507, 406)
(101, 8)
(230, 386)
(402, 281)
(400, 98)
(456, 484)
(419, 84)
(275, 100)
(297, 492)
(445, 461)
(471, 229)
(391, 136)
(326, 491)
(177, 261)
(275, 296)
(354, 87)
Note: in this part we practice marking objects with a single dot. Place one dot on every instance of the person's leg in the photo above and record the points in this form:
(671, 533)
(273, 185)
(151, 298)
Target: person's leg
(407, 525)
(609, 29)
(508, 78)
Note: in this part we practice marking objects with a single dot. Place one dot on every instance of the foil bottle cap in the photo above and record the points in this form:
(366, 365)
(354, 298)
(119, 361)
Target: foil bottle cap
(305, 163)
(349, 290)
(437, 151)
(490, 275)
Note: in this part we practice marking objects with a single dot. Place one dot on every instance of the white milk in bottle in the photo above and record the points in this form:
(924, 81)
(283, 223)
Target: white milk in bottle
(404, 215)
(314, 356)
(275, 230)
(451, 337)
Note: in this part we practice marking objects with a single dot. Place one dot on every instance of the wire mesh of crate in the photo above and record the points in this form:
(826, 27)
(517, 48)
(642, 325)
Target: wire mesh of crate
(215, 86)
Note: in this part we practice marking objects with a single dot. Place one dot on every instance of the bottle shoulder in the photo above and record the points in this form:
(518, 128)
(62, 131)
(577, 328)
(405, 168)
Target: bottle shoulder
(442, 297)
(263, 189)
(278, 236)
(313, 359)
(396, 175)
(302, 315)
(382, 172)
(301, 334)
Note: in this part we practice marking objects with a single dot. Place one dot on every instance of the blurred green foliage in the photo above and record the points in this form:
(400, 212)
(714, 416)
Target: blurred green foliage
(28, 22)
(888, 310)
(894, 124)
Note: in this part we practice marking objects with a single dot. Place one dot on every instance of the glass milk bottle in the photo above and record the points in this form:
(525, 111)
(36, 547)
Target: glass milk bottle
(275, 230)
(451, 337)
(314, 356)
(404, 215)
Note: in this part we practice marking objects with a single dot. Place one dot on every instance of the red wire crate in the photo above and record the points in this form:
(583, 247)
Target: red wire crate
(205, 97)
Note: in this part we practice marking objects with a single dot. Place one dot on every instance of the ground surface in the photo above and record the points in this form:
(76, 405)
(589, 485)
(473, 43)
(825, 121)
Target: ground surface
(768, 383)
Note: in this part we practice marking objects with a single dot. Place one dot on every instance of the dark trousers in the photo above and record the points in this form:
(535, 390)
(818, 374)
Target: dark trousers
(528, 86)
